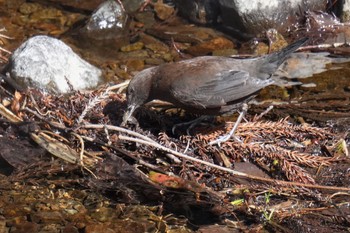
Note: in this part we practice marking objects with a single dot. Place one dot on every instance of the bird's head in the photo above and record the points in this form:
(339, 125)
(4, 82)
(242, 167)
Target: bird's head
(138, 92)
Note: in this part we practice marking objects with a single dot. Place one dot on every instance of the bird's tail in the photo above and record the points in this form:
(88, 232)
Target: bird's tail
(274, 60)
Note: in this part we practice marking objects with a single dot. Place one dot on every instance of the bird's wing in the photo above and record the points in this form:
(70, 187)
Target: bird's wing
(224, 87)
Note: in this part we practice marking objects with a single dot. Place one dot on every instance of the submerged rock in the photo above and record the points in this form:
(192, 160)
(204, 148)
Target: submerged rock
(207, 47)
(50, 65)
(106, 30)
(109, 20)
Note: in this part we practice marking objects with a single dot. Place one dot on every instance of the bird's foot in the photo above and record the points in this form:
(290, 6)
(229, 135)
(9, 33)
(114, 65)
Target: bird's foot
(220, 140)
(226, 137)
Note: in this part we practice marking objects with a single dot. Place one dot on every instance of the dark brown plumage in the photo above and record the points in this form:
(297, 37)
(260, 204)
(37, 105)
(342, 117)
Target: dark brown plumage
(206, 85)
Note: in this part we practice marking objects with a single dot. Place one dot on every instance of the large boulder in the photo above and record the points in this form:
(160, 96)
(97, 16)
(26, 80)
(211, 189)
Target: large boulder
(248, 18)
(50, 65)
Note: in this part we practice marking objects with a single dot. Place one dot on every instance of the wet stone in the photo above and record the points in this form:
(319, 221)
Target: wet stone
(71, 211)
(13, 211)
(208, 47)
(122, 74)
(106, 31)
(18, 220)
(146, 17)
(3, 225)
(184, 33)
(167, 57)
(225, 52)
(153, 43)
(49, 19)
(80, 208)
(28, 8)
(80, 225)
(132, 6)
(135, 65)
(89, 5)
(274, 92)
(104, 214)
(132, 47)
(47, 217)
(278, 42)
(154, 61)
(138, 225)
(47, 15)
(134, 54)
(250, 17)
(98, 228)
(26, 227)
(109, 16)
(70, 229)
(39, 206)
(156, 48)
(79, 194)
(163, 11)
(51, 228)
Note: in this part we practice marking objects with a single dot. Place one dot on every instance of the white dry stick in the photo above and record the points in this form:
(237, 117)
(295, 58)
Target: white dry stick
(5, 50)
(120, 86)
(116, 128)
(147, 141)
(181, 155)
(5, 37)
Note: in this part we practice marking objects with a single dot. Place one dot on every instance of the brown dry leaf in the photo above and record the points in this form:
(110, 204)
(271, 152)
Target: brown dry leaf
(174, 182)
(15, 105)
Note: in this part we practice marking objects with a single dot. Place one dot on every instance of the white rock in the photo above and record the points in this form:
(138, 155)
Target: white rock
(50, 65)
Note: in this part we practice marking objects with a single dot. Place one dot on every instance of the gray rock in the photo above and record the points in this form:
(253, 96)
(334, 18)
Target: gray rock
(256, 15)
(106, 31)
(132, 6)
(245, 19)
(109, 20)
(50, 65)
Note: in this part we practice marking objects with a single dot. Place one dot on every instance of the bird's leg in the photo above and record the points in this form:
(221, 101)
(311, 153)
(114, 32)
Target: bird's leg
(226, 137)
(191, 124)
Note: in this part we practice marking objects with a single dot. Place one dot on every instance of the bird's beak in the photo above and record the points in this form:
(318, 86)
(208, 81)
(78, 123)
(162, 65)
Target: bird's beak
(127, 115)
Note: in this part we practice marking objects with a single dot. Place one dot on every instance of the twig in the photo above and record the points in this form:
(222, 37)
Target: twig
(38, 115)
(181, 155)
(81, 154)
(120, 86)
(116, 128)
(256, 118)
(147, 141)
(5, 50)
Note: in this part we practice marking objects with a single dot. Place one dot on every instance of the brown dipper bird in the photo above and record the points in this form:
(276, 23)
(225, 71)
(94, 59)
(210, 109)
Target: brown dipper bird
(207, 85)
